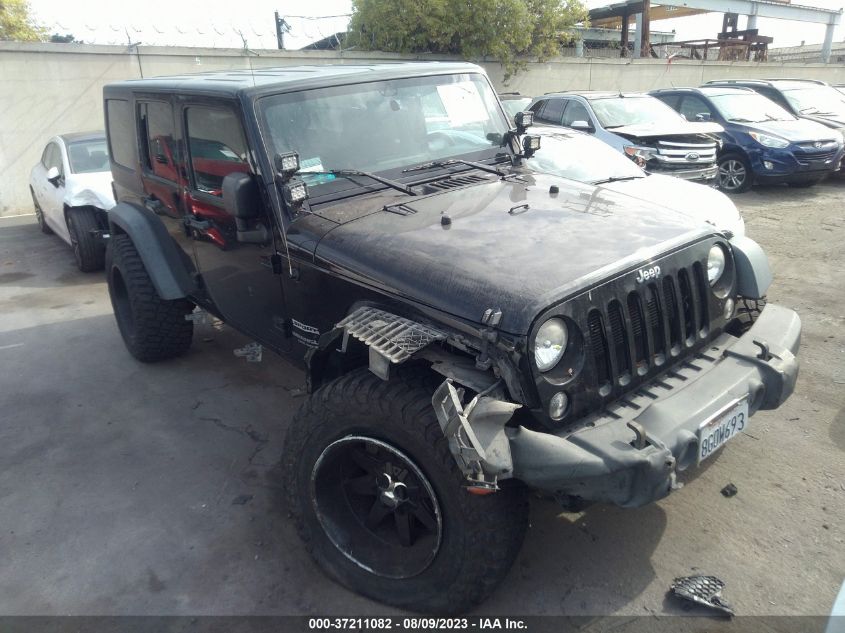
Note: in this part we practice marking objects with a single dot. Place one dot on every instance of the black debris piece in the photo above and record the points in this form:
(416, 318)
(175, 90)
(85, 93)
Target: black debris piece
(729, 490)
(241, 500)
(704, 590)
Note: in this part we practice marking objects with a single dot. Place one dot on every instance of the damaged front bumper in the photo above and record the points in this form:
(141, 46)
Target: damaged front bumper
(629, 453)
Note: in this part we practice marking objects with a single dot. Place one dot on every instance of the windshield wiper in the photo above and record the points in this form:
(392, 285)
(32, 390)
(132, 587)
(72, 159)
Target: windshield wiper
(814, 109)
(456, 161)
(606, 181)
(741, 120)
(345, 173)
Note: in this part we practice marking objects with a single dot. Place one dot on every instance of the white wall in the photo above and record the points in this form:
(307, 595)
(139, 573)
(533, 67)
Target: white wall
(48, 89)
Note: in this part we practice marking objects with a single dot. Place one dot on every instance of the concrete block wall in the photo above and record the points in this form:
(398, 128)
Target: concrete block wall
(48, 89)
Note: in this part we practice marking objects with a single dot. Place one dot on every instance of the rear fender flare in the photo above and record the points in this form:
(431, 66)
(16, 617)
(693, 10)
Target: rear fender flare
(169, 268)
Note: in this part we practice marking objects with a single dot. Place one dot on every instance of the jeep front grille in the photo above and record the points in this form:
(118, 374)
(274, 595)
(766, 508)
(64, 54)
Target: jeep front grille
(630, 335)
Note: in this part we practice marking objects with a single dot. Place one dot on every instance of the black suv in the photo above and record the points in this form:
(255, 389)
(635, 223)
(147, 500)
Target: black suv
(469, 329)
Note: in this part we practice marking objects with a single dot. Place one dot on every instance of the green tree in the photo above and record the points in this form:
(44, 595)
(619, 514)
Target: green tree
(507, 30)
(16, 22)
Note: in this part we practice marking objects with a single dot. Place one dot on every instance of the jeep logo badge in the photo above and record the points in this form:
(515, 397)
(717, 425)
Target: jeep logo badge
(693, 156)
(644, 274)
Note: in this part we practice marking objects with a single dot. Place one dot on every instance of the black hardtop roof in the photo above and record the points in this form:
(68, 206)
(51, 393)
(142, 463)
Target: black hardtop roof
(234, 83)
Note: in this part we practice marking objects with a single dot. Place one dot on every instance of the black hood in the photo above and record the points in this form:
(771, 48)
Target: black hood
(509, 245)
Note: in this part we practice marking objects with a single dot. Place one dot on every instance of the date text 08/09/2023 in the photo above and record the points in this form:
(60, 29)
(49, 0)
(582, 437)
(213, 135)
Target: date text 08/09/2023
(417, 624)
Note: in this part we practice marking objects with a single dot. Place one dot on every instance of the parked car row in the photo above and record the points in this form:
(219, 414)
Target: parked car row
(732, 133)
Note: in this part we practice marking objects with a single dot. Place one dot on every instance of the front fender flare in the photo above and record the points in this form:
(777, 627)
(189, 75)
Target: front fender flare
(753, 274)
(165, 262)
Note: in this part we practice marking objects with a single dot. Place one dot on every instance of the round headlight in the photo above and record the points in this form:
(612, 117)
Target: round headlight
(550, 344)
(715, 264)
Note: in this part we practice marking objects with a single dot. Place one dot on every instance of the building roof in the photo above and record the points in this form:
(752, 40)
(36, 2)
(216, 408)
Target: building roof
(288, 78)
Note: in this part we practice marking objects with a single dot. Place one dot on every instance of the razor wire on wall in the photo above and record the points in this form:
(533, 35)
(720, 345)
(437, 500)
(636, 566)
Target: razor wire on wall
(298, 31)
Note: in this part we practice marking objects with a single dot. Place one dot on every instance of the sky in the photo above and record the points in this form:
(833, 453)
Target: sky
(227, 23)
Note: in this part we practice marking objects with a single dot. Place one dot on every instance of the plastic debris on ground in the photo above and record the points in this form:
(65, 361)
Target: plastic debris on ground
(703, 590)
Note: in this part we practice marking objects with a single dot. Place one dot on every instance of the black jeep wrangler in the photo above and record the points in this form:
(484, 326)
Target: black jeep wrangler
(470, 330)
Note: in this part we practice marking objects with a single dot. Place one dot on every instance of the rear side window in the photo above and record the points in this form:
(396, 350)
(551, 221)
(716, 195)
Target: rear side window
(553, 112)
(216, 146)
(120, 132)
(670, 100)
(159, 151)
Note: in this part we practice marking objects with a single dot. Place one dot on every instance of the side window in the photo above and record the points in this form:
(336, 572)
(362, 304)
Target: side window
(695, 109)
(553, 112)
(53, 157)
(158, 156)
(775, 96)
(537, 108)
(670, 100)
(575, 112)
(120, 132)
(216, 146)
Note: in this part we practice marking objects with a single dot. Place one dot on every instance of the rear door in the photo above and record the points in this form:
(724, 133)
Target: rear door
(162, 165)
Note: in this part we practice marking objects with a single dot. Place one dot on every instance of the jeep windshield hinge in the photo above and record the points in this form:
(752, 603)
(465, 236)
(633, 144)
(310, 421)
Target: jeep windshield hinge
(489, 336)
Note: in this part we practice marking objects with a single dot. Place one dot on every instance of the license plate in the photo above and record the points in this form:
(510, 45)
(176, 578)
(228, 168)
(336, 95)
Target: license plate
(723, 427)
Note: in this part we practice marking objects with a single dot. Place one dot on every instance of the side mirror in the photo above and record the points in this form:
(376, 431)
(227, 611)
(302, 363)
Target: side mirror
(242, 199)
(53, 176)
(581, 126)
(240, 196)
(703, 116)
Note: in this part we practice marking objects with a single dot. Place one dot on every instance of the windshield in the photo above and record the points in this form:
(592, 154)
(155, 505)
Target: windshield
(621, 111)
(87, 157)
(512, 106)
(582, 158)
(749, 107)
(816, 100)
(386, 125)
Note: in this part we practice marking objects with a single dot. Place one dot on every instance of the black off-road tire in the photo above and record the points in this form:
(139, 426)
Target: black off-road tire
(152, 329)
(90, 253)
(481, 535)
(39, 215)
(747, 312)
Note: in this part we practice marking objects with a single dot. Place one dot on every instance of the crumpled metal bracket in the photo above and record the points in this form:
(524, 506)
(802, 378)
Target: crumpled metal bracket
(476, 433)
(390, 337)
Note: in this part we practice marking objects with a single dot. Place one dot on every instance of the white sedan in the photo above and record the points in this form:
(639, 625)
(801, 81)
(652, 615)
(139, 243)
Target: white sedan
(581, 157)
(71, 190)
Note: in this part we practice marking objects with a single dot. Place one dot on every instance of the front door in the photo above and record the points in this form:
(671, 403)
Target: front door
(238, 276)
